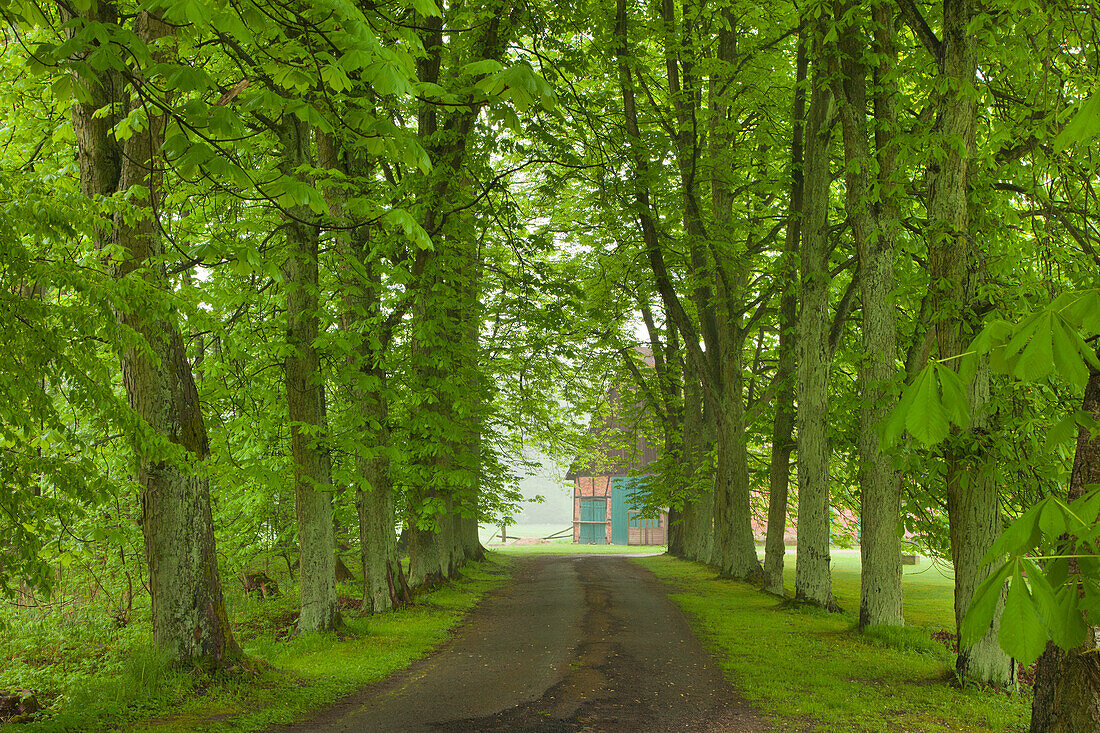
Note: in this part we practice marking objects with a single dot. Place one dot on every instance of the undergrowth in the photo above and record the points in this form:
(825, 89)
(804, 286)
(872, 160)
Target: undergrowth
(92, 673)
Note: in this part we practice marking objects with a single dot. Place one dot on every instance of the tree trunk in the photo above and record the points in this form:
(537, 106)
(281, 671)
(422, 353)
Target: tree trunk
(972, 500)
(384, 584)
(779, 469)
(305, 402)
(872, 210)
(813, 582)
(698, 518)
(190, 623)
(431, 496)
(1067, 684)
(441, 325)
(974, 512)
(467, 371)
(734, 548)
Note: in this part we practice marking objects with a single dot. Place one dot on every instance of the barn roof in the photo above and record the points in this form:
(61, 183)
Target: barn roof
(622, 448)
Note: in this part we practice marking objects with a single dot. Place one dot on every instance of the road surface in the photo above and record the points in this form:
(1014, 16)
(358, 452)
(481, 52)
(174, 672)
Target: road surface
(573, 643)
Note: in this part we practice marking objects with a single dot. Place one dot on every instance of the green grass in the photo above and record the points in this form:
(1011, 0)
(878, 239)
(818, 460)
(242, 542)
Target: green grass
(928, 590)
(132, 689)
(809, 670)
(524, 530)
(568, 548)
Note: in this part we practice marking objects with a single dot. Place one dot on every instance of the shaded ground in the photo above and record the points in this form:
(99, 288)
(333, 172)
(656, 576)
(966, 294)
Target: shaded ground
(573, 644)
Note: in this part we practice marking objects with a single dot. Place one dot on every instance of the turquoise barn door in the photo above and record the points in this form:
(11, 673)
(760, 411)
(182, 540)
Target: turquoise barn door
(593, 522)
(621, 492)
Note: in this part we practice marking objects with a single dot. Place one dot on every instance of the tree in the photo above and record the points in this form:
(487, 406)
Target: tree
(872, 192)
(813, 582)
(189, 617)
(305, 396)
(782, 439)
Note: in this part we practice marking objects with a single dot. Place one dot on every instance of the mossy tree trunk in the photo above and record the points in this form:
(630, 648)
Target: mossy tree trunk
(371, 332)
(813, 582)
(439, 536)
(779, 468)
(870, 171)
(955, 270)
(190, 623)
(698, 518)
(305, 396)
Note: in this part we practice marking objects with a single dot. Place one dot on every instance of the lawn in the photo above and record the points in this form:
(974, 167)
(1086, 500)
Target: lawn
(809, 670)
(568, 548)
(928, 588)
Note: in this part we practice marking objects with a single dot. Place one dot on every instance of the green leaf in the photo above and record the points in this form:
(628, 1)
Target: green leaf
(386, 78)
(894, 425)
(994, 335)
(983, 606)
(410, 226)
(333, 76)
(426, 8)
(1062, 431)
(1084, 312)
(1083, 126)
(926, 419)
(1036, 361)
(1057, 571)
(1086, 509)
(953, 391)
(1018, 537)
(1042, 593)
(1067, 356)
(1022, 634)
(1069, 630)
(1052, 518)
(484, 66)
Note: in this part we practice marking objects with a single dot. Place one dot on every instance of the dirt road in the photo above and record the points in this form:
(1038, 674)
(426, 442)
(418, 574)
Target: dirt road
(573, 644)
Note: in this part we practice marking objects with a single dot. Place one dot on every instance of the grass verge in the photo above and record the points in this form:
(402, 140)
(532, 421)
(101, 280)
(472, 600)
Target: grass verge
(139, 691)
(809, 670)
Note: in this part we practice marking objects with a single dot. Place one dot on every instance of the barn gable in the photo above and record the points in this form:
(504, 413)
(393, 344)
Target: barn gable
(606, 480)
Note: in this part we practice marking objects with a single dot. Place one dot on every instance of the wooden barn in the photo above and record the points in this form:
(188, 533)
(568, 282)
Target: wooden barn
(605, 483)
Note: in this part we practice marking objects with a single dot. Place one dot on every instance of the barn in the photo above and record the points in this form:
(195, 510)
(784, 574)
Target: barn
(606, 480)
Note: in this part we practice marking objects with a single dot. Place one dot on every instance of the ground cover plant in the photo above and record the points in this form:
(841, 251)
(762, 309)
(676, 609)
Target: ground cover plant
(811, 670)
(92, 675)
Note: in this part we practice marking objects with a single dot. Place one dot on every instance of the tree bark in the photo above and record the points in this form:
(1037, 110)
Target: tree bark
(384, 583)
(972, 498)
(468, 372)
(779, 469)
(438, 534)
(698, 518)
(305, 396)
(1067, 683)
(872, 210)
(813, 582)
(734, 549)
(190, 623)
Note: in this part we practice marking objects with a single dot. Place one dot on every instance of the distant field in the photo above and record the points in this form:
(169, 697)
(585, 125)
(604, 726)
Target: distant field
(522, 530)
(568, 548)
